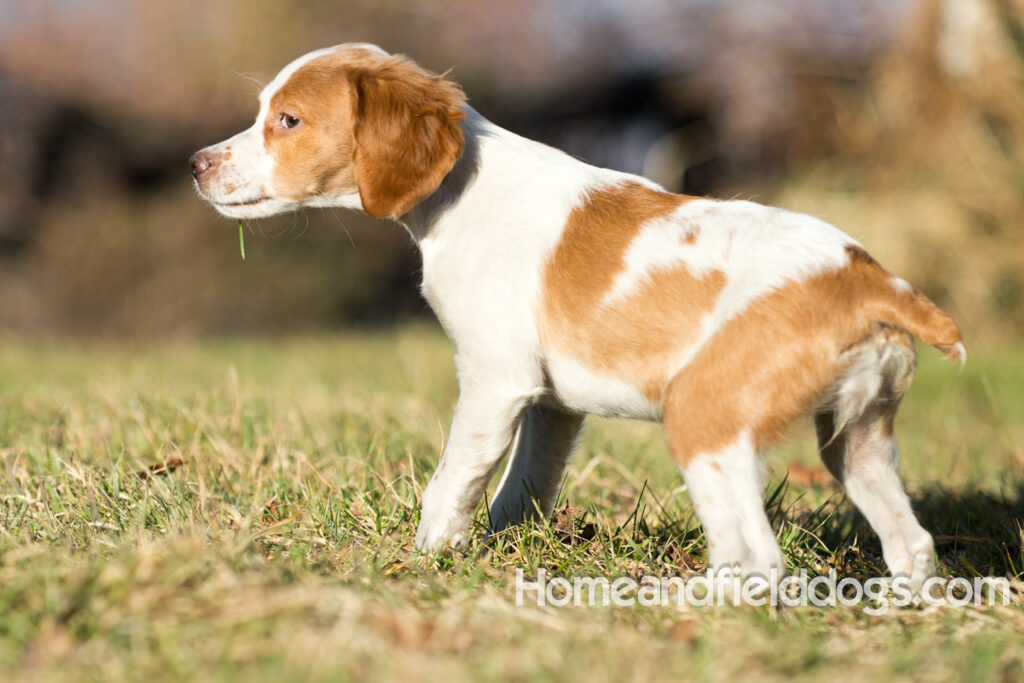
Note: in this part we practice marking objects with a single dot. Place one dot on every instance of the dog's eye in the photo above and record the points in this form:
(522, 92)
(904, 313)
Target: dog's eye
(289, 121)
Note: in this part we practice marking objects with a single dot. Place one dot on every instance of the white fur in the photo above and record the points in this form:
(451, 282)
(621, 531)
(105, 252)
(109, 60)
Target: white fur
(485, 237)
(589, 391)
(901, 286)
(725, 488)
(867, 468)
(757, 247)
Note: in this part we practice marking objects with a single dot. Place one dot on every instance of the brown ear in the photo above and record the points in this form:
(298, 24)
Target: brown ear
(407, 134)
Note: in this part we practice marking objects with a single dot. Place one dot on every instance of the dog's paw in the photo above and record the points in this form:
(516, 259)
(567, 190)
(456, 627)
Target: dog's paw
(433, 535)
(923, 569)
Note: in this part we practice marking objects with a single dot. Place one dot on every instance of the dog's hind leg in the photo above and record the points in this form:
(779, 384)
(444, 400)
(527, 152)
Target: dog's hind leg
(534, 472)
(726, 489)
(855, 437)
(712, 438)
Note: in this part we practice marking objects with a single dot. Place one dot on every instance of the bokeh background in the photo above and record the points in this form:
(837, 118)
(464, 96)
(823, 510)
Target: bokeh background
(900, 121)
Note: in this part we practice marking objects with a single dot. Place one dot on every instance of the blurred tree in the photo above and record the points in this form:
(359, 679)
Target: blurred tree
(104, 101)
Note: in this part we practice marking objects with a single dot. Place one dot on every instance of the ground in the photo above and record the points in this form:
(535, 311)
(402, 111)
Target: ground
(233, 510)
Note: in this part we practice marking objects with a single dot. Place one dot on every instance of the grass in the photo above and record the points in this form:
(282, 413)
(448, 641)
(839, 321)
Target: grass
(245, 510)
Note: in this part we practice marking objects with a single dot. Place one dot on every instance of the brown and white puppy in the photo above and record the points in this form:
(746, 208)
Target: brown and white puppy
(569, 289)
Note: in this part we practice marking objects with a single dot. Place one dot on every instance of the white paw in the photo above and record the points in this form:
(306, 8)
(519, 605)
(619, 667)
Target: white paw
(923, 569)
(436, 532)
(764, 572)
(727, 582)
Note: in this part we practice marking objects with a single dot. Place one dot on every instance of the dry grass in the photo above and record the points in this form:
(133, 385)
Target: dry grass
(269, 537)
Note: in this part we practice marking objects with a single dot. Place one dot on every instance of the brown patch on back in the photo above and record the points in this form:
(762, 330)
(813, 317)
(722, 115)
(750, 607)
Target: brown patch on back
(377, 124)
(770, 365)
(634, 339)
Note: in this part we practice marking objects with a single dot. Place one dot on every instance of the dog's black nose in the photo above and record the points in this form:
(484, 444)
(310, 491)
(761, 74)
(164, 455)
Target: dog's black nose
(200, 162)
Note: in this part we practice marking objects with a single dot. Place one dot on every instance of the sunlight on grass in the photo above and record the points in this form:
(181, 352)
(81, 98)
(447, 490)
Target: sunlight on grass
(246, 509)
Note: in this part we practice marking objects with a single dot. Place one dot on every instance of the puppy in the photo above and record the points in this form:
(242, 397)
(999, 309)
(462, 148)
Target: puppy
(569, 289)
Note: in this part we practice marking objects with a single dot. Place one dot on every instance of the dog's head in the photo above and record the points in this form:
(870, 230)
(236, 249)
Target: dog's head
(345, 126)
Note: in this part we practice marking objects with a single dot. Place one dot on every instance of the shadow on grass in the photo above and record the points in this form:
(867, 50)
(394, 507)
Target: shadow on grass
(977, 533)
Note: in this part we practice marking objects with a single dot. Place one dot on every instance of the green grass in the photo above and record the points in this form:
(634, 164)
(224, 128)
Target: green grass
(281, 546)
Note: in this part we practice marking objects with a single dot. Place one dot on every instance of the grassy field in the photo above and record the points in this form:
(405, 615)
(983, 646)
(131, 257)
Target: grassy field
(245, 510)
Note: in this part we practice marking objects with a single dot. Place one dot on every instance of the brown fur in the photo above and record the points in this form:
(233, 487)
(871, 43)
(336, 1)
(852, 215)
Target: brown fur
(771, 364)
(316, 156)
(407, 134)
(377, 124)
(635, 339)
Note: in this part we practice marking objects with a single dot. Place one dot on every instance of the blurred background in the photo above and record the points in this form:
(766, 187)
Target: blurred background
(900, 121)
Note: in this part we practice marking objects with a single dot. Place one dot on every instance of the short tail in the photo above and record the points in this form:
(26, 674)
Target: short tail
(900, 304)
(894, 301)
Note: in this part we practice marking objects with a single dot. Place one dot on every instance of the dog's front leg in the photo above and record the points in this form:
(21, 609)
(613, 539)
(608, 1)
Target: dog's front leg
(486, 418)
(534, 472)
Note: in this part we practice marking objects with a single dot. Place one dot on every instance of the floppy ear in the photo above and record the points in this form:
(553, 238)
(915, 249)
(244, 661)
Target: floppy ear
(407, 134)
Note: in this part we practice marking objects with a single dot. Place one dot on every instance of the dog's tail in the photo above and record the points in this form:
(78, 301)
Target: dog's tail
(896, 302)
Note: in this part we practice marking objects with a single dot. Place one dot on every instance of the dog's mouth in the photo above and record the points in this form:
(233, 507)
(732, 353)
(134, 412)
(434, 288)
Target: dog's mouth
(247, 202)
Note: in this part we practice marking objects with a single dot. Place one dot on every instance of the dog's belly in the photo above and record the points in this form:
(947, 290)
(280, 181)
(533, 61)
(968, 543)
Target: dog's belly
(590, 391)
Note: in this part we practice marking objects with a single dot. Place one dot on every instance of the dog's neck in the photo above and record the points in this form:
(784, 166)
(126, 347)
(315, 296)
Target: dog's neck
(422, 219)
